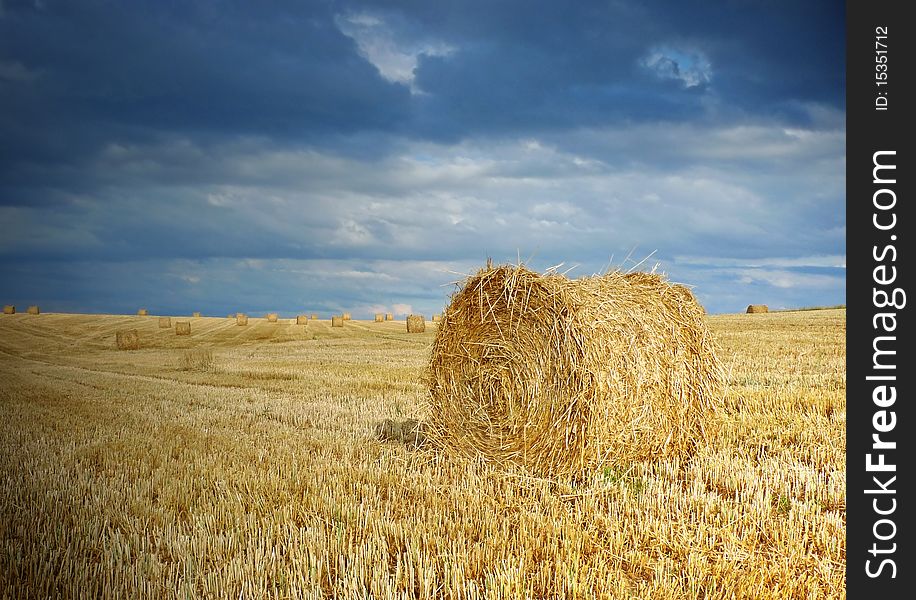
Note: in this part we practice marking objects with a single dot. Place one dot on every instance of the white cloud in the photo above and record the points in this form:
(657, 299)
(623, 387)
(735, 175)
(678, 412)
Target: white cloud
(788, 279)
(831, 261)
(394, 58)
(402, 309)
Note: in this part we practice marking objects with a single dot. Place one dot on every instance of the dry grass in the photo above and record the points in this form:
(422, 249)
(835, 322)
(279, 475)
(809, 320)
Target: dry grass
(183, 328)
(33, 310)
(126, 475)
(9, 309)
(197, 359)
(567, 376)
(416, 324)
(128, 339)
(337, 321)
(757, 309)
(272, 317)
(302, 320)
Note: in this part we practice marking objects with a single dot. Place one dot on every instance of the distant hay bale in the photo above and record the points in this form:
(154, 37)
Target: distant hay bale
(272, 317)
(230, 316)
(346, 316)
(165, 322)
(314, 317)
(183, 328)
(379, 318)
(302, 320)
(563, 376)
(33, 310)
(437, 318)
(337, 321)
(127, 339)
(416, 324)
(757, 308)
(196, 315)
(142, 312)
(389, 317)
(9, 309)
(241, 319)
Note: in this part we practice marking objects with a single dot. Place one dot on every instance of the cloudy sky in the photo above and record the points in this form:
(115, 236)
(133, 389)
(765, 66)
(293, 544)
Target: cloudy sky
(320, 156)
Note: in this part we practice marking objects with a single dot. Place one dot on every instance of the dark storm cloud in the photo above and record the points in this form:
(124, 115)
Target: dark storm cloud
(149, 140)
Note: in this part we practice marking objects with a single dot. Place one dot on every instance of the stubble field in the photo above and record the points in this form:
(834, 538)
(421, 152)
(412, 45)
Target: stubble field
(241, 462)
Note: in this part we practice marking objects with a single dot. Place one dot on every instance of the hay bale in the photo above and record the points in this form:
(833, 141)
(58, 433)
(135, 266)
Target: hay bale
(346, 316)
(757, 308)
(241, 319)
(183, 328)
(9, 309)
(302, 320)
(314, 317)
(127, 339)
(389, 317)
(142, 312)
(437, 318)
(379, 318)
(272, 317)
(337, 321)
(33, 310)
(416, 324)
(563, 376)
(165, 322)
(196, 315)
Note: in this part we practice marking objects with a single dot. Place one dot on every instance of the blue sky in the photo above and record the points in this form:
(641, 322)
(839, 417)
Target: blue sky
(324, 156)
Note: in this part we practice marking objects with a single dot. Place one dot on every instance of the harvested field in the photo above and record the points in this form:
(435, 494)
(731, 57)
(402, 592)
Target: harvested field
(266, 469)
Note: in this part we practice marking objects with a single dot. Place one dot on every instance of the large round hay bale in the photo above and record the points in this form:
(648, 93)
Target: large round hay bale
(183, 328)
(346, 316)
(302, 320)
(416, 324)
(9, 309)
(389, 317)
(241, 319)
(337, 321)
(165, 322)
(563, 375)
(379, 318)
(142, 312)
(757, 308)
(33, 310)
(272, 317)
(127, 339)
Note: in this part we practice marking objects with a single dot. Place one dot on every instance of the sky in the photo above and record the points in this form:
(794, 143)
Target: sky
(330, 156)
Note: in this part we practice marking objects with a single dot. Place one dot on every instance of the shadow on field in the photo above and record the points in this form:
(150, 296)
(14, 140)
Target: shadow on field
(411, 433)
